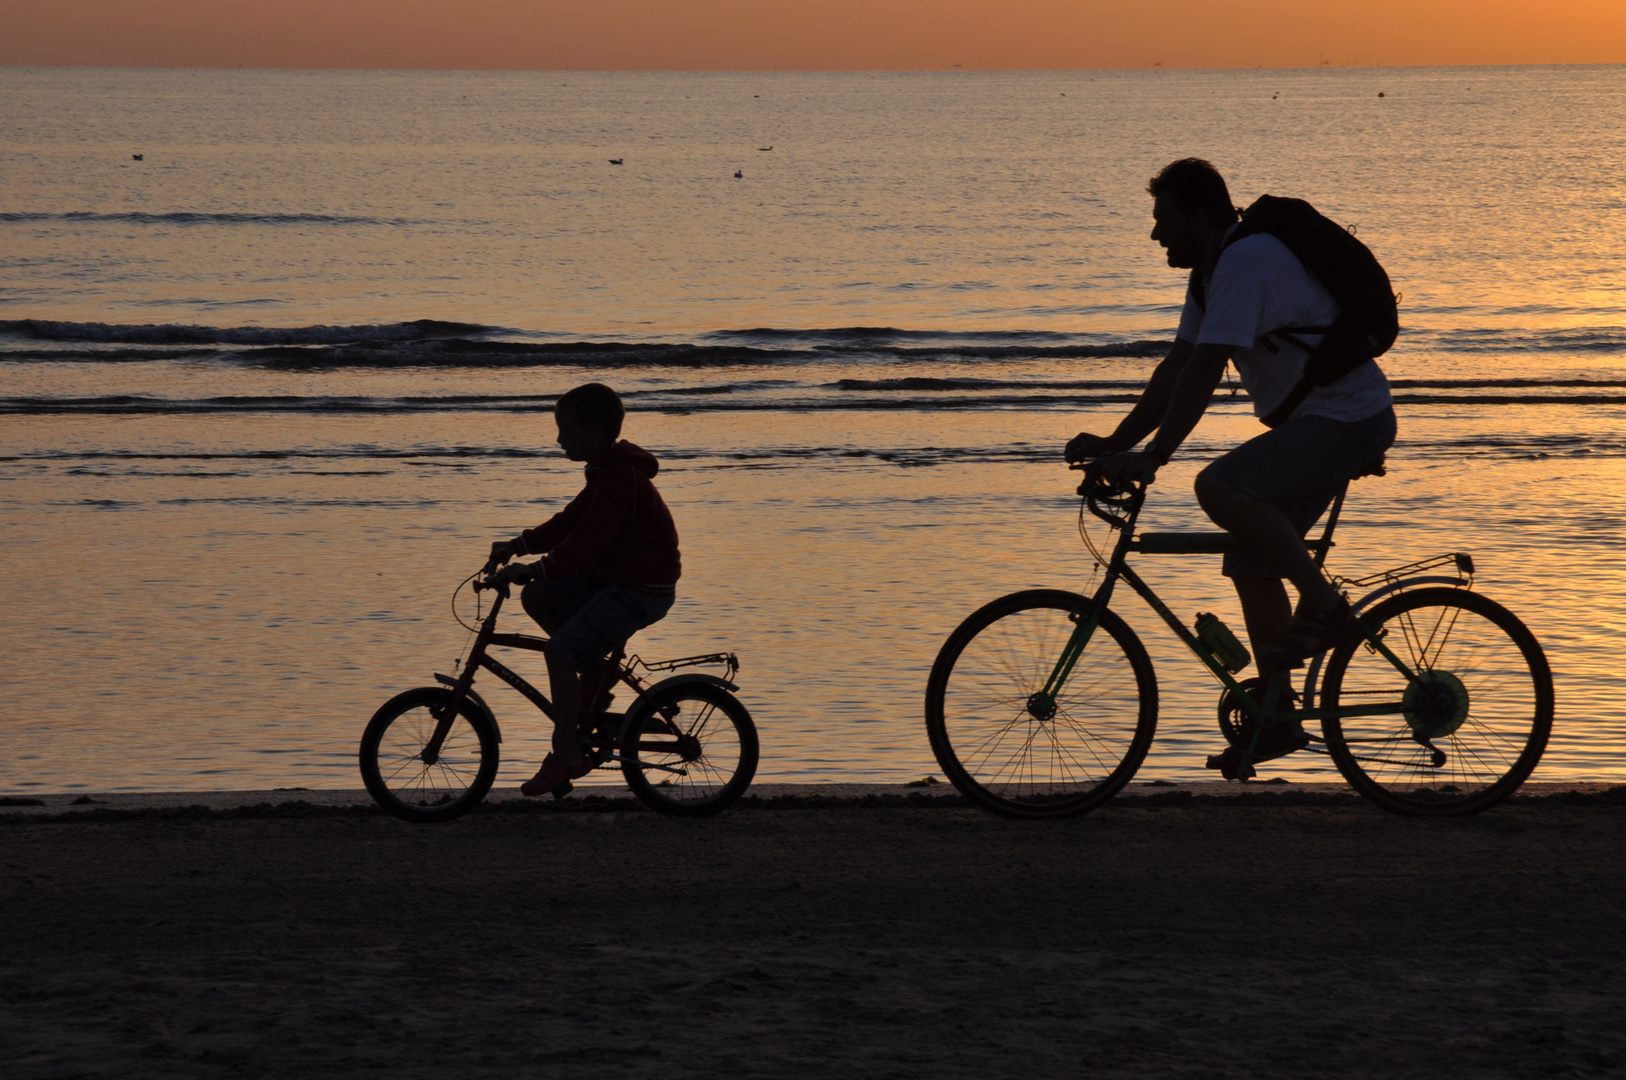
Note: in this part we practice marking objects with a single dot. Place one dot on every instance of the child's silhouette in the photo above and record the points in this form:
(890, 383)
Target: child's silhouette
(610, 568)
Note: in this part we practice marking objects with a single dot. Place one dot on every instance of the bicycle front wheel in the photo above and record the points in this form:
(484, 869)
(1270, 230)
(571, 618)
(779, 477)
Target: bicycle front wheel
(399, 778)
(695, 750)
(1014, 753)
(1472, 721)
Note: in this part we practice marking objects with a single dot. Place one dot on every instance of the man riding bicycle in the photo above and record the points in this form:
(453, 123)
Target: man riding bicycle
(1270, 490)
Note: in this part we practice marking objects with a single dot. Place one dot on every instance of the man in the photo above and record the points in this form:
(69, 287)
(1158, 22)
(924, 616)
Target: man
(1270, 490)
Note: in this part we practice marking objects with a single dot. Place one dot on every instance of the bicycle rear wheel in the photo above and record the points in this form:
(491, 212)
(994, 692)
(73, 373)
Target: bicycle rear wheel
(695, 750)
(398, 778)
(1474, 721)
(1013, 754)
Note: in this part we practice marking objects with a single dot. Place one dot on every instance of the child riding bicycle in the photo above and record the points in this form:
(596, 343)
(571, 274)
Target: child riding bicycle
(609, 568)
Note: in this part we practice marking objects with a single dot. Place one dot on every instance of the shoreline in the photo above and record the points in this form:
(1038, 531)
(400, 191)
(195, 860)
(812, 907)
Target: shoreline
(64, 806)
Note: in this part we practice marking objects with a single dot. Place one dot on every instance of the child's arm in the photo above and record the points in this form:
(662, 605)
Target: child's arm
(593, 524)
(544, 536)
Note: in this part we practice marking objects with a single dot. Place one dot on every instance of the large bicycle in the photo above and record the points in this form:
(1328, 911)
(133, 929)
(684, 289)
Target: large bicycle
(685, 745)
(1044, 703)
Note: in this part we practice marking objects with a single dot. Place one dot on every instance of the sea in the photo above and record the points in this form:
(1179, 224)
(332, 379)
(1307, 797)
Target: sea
(278, 352)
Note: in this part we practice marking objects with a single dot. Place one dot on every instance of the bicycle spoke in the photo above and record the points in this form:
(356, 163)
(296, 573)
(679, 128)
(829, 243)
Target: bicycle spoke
(1480, 702)
(1021, 752)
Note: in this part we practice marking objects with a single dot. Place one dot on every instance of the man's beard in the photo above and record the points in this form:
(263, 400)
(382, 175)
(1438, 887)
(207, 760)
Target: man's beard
(1180, 260)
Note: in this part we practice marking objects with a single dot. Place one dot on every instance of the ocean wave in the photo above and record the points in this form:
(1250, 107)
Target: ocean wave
(196, 217)
(434, 343)
(719, 398)
(1587, 339)
(373, 460)
(183, 334)
(869, 336)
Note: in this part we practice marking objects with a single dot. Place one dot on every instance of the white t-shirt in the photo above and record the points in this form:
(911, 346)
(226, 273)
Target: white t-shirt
(1259, 286)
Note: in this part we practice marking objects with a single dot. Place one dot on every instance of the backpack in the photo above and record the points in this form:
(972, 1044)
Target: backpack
(1369, 318)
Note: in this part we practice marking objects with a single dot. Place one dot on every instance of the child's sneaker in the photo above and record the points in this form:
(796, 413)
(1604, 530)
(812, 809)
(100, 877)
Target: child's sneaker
(553, 773)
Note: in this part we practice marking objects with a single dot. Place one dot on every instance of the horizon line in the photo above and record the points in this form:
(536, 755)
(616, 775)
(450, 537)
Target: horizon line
(1153, 66)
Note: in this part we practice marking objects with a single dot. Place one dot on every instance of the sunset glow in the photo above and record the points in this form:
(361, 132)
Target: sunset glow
(807, 34)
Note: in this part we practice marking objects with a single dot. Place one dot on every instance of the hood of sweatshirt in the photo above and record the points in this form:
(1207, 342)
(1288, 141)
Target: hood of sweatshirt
(628, 453)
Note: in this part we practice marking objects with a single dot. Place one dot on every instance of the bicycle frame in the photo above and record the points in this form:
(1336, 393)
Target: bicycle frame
(1118, 569)
(479, 657)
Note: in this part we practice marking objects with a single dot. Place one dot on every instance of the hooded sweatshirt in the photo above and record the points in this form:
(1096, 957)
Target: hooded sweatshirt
(617, 528)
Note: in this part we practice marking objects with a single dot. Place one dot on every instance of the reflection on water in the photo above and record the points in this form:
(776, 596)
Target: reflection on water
(232, 621)
(268, 393)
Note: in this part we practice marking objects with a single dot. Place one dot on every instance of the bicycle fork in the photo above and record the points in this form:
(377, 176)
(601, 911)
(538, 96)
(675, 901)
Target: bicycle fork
(447, 712)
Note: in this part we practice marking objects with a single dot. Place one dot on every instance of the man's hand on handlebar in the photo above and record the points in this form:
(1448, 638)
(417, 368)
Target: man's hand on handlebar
(1130, 465)
(1084, 446)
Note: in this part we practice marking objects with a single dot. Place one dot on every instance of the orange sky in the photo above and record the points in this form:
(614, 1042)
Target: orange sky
(807, 34)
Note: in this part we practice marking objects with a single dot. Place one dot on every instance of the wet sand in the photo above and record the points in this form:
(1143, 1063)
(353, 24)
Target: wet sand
(1160, 936)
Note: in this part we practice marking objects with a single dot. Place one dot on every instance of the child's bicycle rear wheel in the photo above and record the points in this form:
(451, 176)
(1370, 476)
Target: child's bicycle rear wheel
(399, 778)
(690, 749)
(1473, 722)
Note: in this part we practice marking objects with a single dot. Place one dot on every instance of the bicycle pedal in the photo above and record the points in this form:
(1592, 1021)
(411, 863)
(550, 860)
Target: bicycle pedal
(1227, 762)
(563, 789)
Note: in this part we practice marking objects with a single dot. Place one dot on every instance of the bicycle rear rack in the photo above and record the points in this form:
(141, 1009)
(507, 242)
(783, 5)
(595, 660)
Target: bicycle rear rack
(724, 659)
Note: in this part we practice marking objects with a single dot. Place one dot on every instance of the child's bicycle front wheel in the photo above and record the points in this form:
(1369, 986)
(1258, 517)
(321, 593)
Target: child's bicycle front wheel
(690, 749)
(1474, 719)
(400, 779)
(1013, 750)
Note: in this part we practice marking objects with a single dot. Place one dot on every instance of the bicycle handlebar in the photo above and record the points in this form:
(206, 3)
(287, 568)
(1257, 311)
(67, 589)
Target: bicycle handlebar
(482, 579)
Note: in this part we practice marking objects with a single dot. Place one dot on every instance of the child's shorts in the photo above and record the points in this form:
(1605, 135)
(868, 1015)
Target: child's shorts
(598, 615)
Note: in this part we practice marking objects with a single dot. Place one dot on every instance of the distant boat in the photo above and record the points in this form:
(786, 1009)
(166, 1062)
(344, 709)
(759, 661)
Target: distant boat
(616, 160)
(739, 174)
(764, 149)
(137, 157)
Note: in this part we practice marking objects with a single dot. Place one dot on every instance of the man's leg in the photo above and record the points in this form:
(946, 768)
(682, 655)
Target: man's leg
(1266, 532)
(1265, 608)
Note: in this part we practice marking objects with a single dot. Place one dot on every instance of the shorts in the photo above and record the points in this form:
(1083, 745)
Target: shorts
(597, 615)
(1298, 468)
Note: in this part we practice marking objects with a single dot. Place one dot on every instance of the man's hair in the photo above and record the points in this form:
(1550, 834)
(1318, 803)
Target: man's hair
(1192, 183)
(593, 403)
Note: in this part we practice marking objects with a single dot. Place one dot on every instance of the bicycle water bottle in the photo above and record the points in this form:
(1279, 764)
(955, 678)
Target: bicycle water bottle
(1219, 640)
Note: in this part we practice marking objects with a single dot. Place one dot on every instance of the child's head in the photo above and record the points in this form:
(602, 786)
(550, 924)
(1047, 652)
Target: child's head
(589, 419)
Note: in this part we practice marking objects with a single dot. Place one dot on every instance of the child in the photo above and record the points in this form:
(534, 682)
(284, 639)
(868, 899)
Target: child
(610, 567)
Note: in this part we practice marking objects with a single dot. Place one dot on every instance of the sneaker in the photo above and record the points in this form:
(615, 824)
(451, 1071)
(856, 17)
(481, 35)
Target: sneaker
(1277, 740)
(1311, 632)
(553, 773)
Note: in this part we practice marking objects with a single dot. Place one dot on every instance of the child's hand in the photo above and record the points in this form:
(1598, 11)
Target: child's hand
(519, 573)
(502, 551)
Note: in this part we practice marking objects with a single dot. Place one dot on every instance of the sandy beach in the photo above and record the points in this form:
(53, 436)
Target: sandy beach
(1287, 933)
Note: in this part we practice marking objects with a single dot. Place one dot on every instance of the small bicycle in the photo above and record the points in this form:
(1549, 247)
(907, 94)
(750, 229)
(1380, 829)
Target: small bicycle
(685, 744)
(1044, 703)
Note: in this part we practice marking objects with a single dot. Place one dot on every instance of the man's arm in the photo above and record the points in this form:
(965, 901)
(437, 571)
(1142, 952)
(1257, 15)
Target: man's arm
(1192, 390)
(1148, 412)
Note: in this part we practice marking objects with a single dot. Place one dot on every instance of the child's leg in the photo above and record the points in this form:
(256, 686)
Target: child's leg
(537, 604)
(567, 703)
(600, 625)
